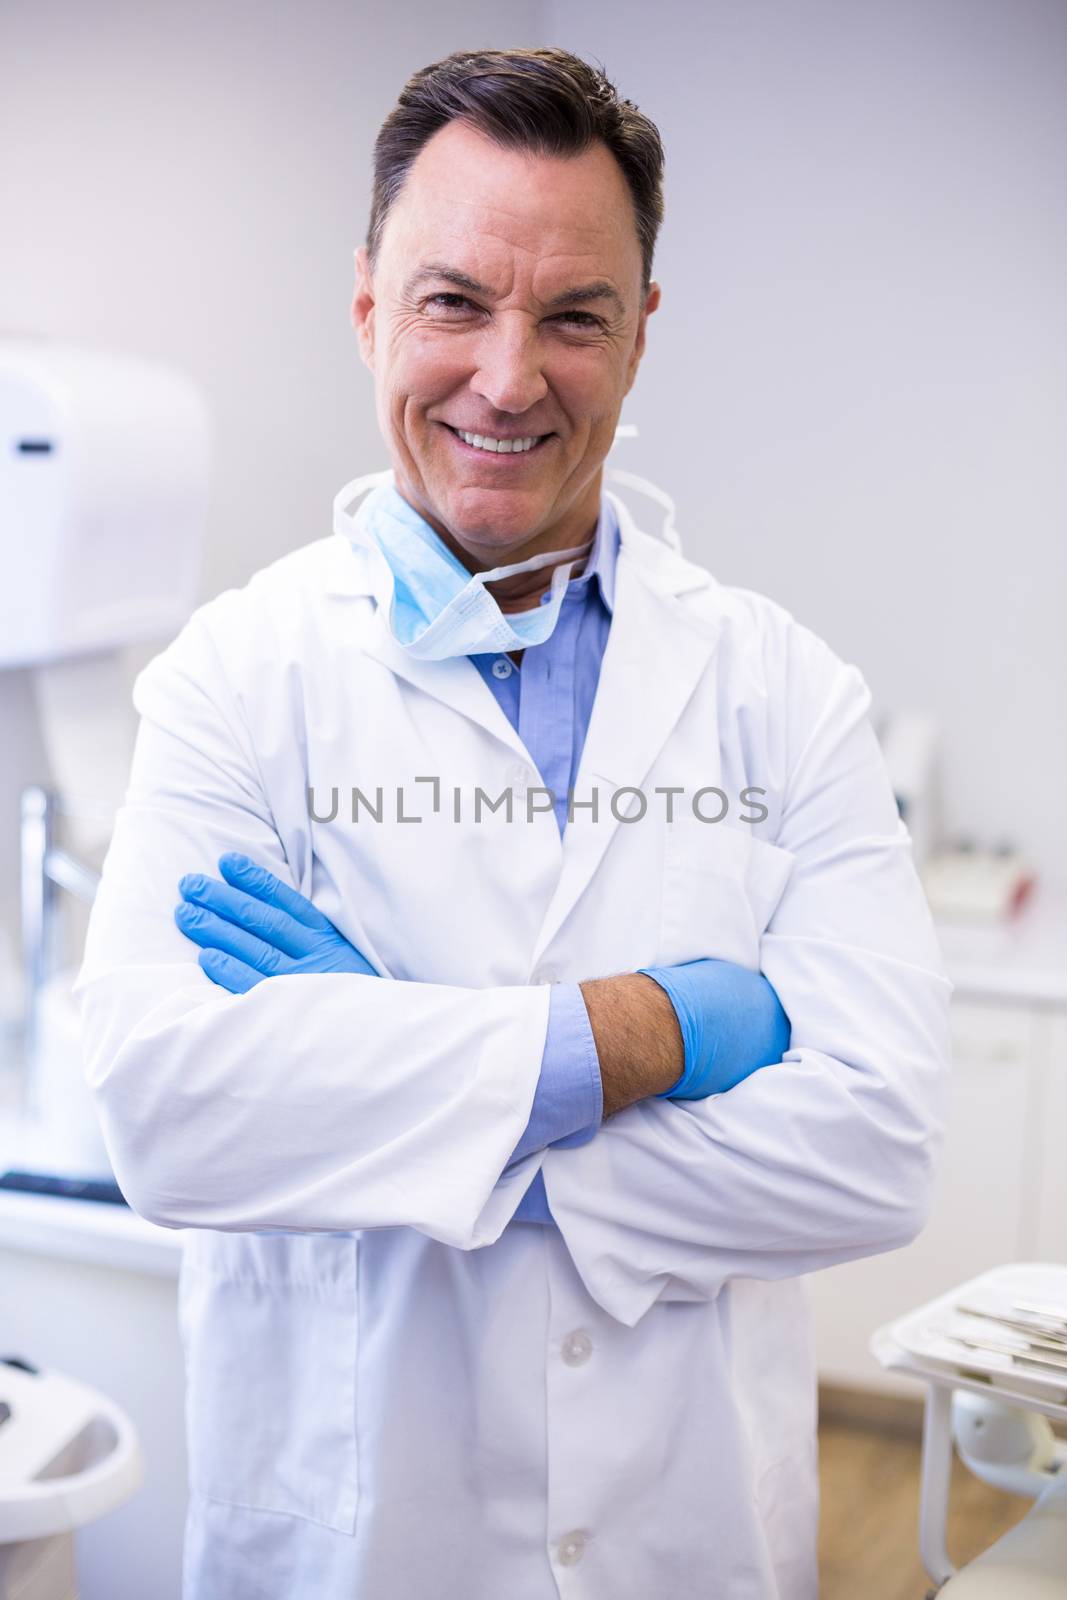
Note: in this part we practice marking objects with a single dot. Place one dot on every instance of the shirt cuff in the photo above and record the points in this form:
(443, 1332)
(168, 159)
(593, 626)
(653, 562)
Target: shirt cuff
(568, 1103)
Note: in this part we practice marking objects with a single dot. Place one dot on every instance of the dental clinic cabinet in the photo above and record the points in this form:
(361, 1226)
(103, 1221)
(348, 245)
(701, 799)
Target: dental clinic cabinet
(1001, 1194)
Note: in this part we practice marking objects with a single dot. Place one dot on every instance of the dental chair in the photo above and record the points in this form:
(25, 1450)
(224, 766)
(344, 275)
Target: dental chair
(68, 1455)
(993, 1355)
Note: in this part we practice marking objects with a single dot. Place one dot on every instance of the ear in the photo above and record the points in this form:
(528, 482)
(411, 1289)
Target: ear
(652, 300)
(363, 307)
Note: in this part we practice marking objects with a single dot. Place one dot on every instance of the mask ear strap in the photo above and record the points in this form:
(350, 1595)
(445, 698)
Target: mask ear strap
(357, 489)
(633, 480)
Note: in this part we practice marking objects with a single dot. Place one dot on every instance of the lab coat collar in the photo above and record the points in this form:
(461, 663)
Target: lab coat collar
(600, 564)
(659, 646)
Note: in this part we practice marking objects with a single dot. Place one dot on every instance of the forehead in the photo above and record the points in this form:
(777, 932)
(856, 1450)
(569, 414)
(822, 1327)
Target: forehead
(503, 210)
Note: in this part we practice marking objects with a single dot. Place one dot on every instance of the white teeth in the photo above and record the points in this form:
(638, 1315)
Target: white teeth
(497, 446)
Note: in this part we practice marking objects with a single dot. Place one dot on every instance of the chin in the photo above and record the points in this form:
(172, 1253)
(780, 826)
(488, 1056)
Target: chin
(493, 516)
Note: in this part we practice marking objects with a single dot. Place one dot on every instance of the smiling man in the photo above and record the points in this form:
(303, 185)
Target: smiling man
(502, 310)
(507, 1108)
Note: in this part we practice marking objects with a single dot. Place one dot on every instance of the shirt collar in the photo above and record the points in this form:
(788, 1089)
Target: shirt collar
(600, 563)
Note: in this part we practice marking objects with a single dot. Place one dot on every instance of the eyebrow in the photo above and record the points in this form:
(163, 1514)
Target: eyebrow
(600, 290)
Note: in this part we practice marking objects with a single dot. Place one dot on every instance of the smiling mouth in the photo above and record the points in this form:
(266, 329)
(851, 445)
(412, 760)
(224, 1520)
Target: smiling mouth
(493, 449)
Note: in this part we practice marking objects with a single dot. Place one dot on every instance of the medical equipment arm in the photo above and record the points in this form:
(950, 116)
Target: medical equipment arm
(829, 1155)
(325, 1103)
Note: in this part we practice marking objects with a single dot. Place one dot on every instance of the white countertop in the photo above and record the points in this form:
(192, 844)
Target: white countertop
(87, 1230)
(1023, 963)
(91, 1231)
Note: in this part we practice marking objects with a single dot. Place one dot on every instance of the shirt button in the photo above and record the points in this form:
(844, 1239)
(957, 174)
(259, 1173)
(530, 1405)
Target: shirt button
(571, 1549)
(577, 1348)
(502, 667)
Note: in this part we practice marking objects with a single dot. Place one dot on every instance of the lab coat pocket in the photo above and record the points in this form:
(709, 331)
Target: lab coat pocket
(270, 1328)
(720, 890)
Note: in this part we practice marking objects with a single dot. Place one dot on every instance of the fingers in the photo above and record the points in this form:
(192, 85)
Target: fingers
(244, 873)
(228, 972)
(212, 932)
(233, 905)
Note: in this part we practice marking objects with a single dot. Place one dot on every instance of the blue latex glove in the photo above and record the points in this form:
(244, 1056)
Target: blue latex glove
(732, 1023)
(253, 926)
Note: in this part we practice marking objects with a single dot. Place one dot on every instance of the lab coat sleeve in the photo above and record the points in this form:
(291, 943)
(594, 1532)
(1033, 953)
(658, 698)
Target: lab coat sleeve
(325, 1102)
(828, 1155)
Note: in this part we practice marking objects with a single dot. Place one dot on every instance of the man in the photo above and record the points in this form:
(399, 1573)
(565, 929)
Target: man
(500, 1172)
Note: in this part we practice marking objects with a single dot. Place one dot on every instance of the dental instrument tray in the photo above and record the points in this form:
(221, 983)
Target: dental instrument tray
(1007, 1328)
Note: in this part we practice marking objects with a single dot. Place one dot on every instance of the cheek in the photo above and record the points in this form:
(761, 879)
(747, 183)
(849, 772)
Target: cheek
(424, 368)
(586, 382)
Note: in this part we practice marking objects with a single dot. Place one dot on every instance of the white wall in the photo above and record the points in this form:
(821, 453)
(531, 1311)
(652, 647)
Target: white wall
(856, 384)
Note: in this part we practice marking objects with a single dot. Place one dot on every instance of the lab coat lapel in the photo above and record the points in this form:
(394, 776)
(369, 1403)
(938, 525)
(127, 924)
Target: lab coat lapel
(658, 648)
(354, 569)
(455, 682)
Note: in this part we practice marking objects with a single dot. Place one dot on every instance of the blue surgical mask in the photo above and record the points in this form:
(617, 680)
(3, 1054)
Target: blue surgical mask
(437, 608)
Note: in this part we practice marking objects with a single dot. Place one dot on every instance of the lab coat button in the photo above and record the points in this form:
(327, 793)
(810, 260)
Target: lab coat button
(545, 975)
(502, 667)
(571, 1549)
(577, 1348)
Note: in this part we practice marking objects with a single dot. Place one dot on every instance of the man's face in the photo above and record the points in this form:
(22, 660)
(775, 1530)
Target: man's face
(471, 323)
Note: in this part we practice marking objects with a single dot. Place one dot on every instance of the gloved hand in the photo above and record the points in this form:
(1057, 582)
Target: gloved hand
(253, 926)
(732, 1023)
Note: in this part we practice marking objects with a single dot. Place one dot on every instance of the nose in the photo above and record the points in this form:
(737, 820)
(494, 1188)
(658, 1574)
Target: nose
(509, 374)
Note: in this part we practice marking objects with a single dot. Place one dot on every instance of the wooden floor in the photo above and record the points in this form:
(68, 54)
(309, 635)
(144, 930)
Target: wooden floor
(869, 1525)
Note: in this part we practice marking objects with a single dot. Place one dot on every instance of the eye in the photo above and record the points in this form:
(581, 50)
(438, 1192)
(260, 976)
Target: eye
(584, 319)
(448, 302)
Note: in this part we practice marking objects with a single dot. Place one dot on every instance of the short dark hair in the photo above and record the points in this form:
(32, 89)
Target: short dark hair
(546, 101)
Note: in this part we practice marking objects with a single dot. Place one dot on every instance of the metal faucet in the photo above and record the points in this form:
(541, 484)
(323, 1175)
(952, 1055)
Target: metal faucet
(45, 870)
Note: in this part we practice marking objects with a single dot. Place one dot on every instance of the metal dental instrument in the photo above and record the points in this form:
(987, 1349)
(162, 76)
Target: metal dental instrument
(1045, 1335)
(1055, 1363)
(1056, 1314)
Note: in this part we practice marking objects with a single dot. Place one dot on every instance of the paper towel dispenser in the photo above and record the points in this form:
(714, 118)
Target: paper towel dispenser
(103, 485)
(104, 461)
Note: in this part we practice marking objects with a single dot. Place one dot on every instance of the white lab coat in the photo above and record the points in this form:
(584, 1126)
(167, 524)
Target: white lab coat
(407, 1397)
